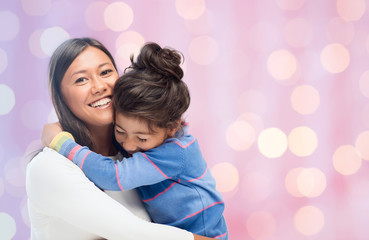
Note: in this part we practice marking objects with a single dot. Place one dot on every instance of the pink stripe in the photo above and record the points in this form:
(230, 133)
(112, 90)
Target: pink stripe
(147, 200)
(187, 144)
(116, 172)
(155, 166)
(201, 210)
(83, 160)
(199, 177)
(73, 151)
(221, 235)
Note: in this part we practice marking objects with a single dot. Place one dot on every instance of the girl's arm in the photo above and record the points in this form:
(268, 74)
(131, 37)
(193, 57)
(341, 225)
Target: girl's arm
(141, 169)
(59, 189)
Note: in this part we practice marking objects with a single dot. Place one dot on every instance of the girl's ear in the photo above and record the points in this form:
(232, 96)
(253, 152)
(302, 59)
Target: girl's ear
(172, 131)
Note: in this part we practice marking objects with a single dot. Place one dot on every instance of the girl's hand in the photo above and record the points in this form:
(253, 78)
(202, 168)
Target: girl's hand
(49, 131)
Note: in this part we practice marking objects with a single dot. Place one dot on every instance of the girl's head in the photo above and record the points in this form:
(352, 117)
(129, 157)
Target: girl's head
(82, 74)
(152, 91)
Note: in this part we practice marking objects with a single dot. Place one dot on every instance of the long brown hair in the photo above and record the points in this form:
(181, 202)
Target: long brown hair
(152, 89)
(60, 61)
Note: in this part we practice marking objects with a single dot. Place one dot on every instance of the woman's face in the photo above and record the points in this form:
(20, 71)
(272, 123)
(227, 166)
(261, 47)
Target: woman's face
(87, 87)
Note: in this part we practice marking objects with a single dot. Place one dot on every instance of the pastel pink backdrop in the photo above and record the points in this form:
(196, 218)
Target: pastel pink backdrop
(279, 91)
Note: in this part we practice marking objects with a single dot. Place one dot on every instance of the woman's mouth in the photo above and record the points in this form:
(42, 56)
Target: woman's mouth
(101, 103)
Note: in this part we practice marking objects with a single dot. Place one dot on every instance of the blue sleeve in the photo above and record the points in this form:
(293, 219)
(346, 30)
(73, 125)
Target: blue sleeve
(143, 168)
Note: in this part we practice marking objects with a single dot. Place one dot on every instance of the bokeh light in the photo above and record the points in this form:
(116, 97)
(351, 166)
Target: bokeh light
(190, 9)
(309, 220)
(302, 141)
(36, 7)
(347, 160)
(200, 25)
(311, 182)
(291, 182)
(340, 31)
(361, 144)
(240, 135)
(128, 43)
(261, 225)
(7, 99)
(7, 226)
(9, 25)
(203, 50)
(254, 120)
(226, 176)
(298, 32)
(34, 44)
(94, 15)
(290, 4)
(282, 64)
(3, 60)
(364, 83)
(256, 186)
(118, 16)
(51, 38)
(335, 58)
(272, 142)
(351, 10)
(305, 99)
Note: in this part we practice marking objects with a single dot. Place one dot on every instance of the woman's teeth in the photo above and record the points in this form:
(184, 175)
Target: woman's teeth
(100, 103)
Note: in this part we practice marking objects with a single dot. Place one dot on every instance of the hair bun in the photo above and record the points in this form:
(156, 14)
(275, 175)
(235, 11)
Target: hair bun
(157, 60)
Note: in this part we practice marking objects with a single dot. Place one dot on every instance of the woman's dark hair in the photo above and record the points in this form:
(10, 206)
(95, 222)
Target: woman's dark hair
(60, 61)
(152, 89)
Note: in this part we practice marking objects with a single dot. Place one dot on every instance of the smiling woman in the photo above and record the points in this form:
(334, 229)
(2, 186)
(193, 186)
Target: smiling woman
(62, 202)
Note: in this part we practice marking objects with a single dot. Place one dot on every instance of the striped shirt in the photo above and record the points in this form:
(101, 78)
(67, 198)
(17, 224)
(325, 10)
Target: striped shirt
(172, 180)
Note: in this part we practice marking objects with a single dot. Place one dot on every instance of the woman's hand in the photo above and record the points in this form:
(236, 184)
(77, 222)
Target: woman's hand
(49, 131)
(198, 237)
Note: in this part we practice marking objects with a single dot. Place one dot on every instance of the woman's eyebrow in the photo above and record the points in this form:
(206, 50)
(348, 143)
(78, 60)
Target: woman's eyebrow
(100, 66)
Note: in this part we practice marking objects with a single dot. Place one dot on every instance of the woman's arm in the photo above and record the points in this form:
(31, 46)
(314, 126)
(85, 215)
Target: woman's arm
(58, 188)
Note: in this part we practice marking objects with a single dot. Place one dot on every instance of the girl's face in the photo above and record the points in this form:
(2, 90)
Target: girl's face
(87, 87)
(134, 134)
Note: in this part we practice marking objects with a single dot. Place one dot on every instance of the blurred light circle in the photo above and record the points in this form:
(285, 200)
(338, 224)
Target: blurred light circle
(3, 60)
(305, 99)
(203, 50)
(200, 25)
(52, 117)
(282, 64)
(51, 38)
(9, 25)
(335, 58)
(226, 176)
(302, 141)
(7, 226)
(33, 114)
(118, 16)
(261, 225)
(340, 31)
(256, 186)
(252, 101)
(36, 7)
(362, 144)
(309, 220)
(129, 37)
(311, 182)
(94, 15)
(34, 44)
(122, 56)
(298, 32)
(7, 99)
(290, 4)
(347, 160)
(190, 9)
(240, 135)
(254, 120)
(364, 84)
(272, 142)
(291, 182)
(351, 10)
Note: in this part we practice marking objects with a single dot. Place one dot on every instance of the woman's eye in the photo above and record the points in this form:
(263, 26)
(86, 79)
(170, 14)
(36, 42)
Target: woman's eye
(80, 80)
(106, 72)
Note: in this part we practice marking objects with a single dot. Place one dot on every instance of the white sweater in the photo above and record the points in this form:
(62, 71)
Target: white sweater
(64, 204)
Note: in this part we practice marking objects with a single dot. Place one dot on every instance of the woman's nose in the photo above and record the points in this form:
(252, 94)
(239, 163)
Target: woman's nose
(98, 86)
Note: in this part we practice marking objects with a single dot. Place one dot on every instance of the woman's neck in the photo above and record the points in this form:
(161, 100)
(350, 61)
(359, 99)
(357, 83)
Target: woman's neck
(102, 137)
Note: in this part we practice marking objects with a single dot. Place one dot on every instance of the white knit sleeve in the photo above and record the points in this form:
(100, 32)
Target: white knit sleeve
(59, 189)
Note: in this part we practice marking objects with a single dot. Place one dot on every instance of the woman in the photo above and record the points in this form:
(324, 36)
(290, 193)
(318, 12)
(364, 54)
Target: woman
(63, 203)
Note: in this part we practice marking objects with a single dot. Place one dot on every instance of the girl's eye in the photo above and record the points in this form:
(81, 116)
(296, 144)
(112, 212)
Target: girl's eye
(142, 139)
(118, 131)
(106, 72)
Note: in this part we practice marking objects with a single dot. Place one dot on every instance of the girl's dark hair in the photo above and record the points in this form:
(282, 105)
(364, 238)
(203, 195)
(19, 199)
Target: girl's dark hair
(152, 89)
(60, 61)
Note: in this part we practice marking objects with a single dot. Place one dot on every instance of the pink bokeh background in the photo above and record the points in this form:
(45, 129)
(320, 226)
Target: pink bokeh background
(279, 104)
